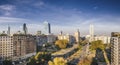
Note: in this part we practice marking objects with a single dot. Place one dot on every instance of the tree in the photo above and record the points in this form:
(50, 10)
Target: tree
(84, 62)
(96, 44)
(99, 44)
(7, 62)
(58, 61)
(41, 58)
(61, 43)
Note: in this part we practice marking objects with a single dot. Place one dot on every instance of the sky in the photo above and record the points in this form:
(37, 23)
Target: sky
(63, 15)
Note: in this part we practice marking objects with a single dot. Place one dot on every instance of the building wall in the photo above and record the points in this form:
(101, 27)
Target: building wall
(70, 38)
(51, 38)
(6, 47)
(41, 39)
(105, 39)
(23, 44)
(115, 43)
(91, 31)
(115, 48)
(77, 36)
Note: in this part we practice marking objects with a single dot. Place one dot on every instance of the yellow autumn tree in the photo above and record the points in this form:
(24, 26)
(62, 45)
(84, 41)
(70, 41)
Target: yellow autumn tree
(61, 43)
(40, 58)
(58, 61)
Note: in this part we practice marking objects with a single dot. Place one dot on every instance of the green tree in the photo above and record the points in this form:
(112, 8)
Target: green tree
(99, 44)
(7, 62)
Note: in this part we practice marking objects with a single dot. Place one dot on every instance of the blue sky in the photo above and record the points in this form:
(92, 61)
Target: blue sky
(65, 15)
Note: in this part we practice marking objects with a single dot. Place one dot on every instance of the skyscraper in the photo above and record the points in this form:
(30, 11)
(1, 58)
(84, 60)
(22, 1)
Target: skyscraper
(115, 48)
(77, 36)
(25, 28)
(47, 28)
(8, 32)
(91, 33)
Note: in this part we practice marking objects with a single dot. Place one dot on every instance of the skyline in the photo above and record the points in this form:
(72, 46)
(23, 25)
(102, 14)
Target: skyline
(65, 15)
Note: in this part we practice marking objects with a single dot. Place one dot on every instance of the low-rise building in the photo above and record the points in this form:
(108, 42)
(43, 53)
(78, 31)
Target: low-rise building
(104, 39)
(69, 38)
(51, 38)
(41, 39)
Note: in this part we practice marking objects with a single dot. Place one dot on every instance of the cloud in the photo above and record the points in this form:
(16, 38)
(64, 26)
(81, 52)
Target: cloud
(7, 9)
(39, 4)
(95, 8)
(13, 20)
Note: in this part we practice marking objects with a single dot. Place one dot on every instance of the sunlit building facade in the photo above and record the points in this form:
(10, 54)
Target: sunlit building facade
(47, 28)
(91, 31)
(104, 39)
(115, 48)
(6, 47)
(24, 45)
(77, 36)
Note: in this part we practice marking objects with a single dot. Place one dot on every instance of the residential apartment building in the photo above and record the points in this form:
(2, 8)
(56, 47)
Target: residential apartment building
(24, 46)
(69, 38)
(6, 46)
(115, 48)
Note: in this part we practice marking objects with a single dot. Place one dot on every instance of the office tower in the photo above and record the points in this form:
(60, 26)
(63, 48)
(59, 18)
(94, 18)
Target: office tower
(47, 28)
(8, 32)
(6, 47)
(24, 45)
(25, 28)
(91, 32)
(61, 33)
(77, 36)
(115, 48)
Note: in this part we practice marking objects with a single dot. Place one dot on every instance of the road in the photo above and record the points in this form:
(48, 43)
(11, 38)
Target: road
(24, 63)
(79, 55)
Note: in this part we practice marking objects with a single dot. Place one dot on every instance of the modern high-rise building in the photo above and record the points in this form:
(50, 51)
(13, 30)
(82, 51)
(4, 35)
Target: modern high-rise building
(115, 48)
(25, 28)
(47, 28)
(91, 31)
(77, 36)
(6, 46)
(8, 32)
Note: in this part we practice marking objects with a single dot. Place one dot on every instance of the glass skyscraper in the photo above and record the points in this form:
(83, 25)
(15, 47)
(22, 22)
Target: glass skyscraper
(47, 28)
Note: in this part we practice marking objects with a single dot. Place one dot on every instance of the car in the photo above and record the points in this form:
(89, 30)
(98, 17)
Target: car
(20, 62)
